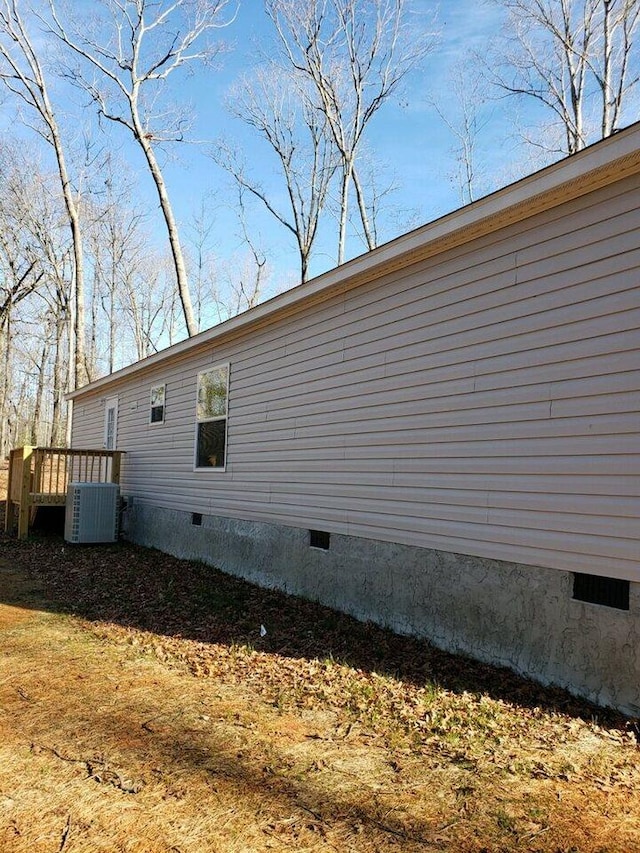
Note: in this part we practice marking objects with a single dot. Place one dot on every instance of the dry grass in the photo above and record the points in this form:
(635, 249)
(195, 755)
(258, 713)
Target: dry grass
(141, 711)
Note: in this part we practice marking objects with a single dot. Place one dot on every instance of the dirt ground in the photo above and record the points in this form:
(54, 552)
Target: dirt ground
(144, 709)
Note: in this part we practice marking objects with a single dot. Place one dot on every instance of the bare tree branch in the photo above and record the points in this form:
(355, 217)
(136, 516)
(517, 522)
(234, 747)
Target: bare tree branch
(273, 103)
(122, 73)
(355, 54)
(22, 72)
(563, 53)
(460, 110)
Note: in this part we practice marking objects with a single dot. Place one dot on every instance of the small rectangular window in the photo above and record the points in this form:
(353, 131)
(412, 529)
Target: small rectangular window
(110, 423)
(609, 592)
(156, 414)
(211, 417)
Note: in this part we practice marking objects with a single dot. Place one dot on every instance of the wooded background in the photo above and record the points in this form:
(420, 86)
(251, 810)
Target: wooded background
(92, 278)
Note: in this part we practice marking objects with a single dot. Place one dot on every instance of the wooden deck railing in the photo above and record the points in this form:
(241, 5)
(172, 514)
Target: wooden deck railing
(39, 476)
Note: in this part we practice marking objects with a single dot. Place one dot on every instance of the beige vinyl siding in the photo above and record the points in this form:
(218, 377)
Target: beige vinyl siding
(88, 423)
(485, 402)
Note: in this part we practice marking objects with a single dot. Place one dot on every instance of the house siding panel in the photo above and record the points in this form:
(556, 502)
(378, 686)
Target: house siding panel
(483, 402)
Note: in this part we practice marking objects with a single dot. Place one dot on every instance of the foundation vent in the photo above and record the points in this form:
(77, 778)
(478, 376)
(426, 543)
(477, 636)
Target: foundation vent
(319, 539)
(609, 592)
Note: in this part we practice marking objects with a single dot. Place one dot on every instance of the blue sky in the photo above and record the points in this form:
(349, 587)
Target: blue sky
(407, 137)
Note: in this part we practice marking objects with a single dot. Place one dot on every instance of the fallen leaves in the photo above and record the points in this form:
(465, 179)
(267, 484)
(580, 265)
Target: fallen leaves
(317, 733)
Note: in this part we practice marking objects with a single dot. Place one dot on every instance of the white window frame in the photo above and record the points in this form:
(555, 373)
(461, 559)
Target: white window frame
(152, 407)
(110, 404)
(219, 468)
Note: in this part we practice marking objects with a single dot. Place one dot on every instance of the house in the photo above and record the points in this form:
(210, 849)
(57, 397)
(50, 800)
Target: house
(441, 436)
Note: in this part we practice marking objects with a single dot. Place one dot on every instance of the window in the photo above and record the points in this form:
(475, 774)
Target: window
(110, 423)
(211, 417)
(156, 414)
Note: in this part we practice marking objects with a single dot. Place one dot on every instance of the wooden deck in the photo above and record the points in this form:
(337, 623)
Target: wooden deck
(40, 476)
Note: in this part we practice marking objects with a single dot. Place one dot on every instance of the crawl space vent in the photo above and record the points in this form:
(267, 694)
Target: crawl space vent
(319, 539)
(609, 592)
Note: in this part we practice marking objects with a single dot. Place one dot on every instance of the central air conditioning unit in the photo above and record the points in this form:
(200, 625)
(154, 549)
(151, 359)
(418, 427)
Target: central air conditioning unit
(92, 512)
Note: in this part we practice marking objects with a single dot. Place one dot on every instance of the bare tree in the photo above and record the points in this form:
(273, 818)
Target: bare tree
(6, 362)
(46, 317)
(274, 102)
(117, 245)
(615, 62)
(200, 257)
(461, 110)
(124, 63)
(566, 55)
(21, 269)
(23, 74)
(36, 253)
(226, 287)
(39, 362)
(56, 321)
(59, 323)
(245, 286)
(148, 305)
(20, 274)
(355, 54)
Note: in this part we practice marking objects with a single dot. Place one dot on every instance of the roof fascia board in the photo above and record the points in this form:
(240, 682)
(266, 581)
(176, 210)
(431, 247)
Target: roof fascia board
(599, 165)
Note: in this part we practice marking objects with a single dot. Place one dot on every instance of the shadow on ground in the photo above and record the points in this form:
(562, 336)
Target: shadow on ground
(146, 589)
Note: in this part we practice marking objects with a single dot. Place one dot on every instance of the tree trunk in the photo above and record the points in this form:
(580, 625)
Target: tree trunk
(58, 425)
(36, 426)
(80, 362)
(172, 228)
(112, 319)
(362, 208)
(344, 211)
(7, 339)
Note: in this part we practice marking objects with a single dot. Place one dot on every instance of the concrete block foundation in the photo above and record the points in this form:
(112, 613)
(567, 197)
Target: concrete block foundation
(519, 616)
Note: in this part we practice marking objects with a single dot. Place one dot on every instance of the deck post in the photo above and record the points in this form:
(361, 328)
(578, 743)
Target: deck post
(9, 511)
(115, 467)
(25, 491)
